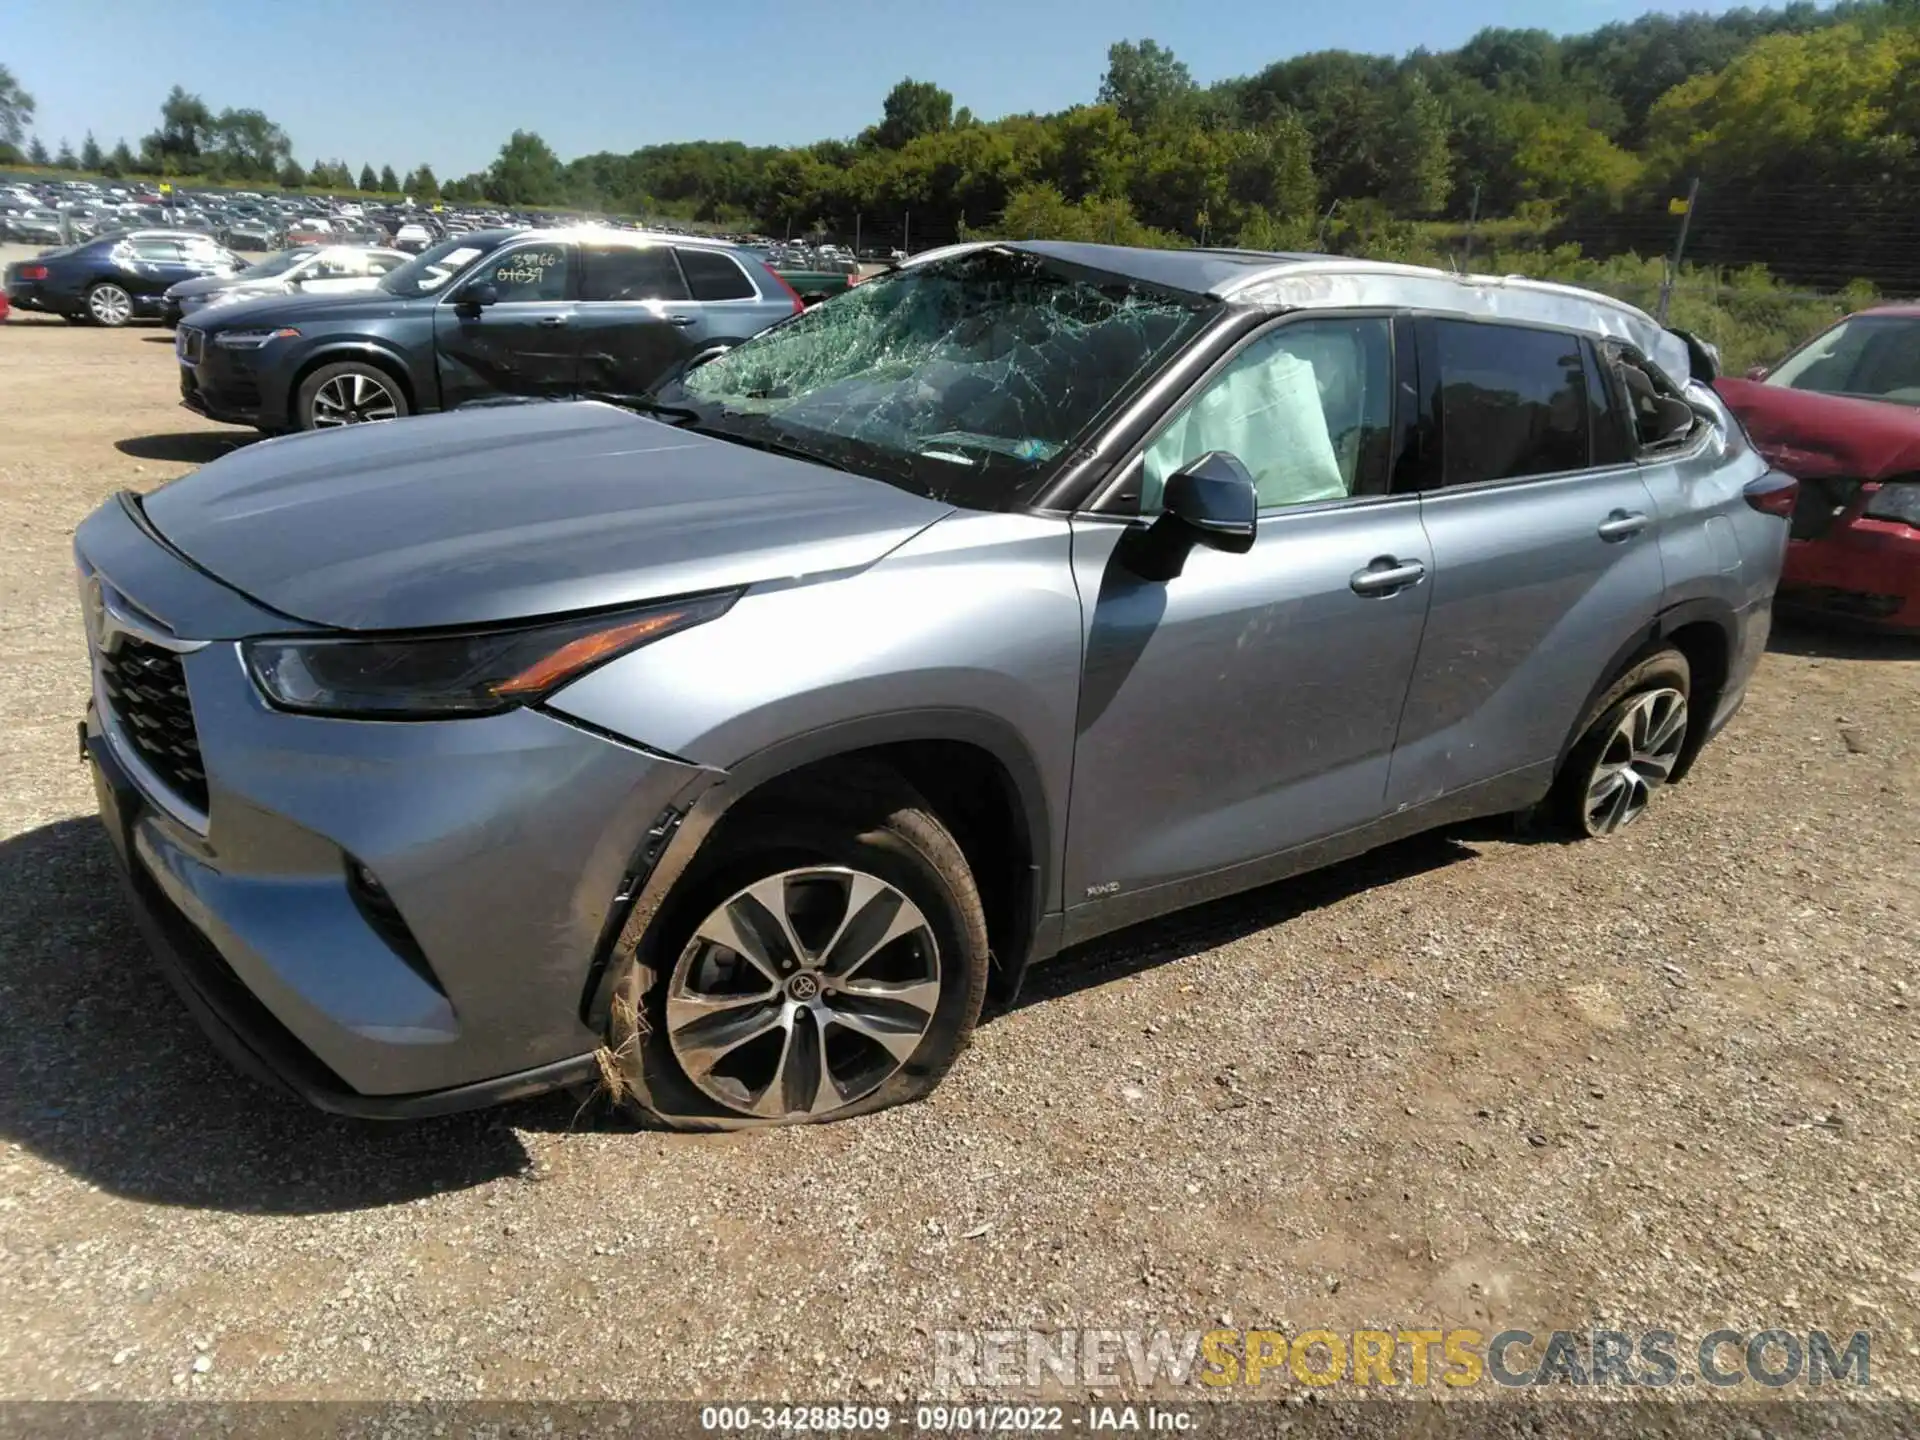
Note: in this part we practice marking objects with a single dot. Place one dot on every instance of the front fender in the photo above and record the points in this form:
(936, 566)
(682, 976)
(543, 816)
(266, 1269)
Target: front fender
(969, 632)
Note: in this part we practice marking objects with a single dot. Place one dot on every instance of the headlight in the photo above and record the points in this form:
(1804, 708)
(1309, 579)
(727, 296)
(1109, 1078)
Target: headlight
(252, 339)
(1898, 501)
(439, 676)
(225, 297)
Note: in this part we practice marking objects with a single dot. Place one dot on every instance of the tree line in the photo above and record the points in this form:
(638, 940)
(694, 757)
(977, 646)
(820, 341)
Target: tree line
(193, 142)
(1587, 137)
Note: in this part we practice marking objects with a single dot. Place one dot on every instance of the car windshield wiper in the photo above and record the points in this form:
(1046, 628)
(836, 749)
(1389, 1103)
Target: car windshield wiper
(679, 414)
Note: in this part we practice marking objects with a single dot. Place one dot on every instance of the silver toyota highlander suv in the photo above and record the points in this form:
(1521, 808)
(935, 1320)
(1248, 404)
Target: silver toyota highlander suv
(732, 749)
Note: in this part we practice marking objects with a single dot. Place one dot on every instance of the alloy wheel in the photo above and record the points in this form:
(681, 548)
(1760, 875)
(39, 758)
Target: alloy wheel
(803, 993)
(1636, 760)
(356, 399)
(110, 305)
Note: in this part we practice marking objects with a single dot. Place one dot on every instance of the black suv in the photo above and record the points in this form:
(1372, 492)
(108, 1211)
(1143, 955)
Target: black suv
(491, 313)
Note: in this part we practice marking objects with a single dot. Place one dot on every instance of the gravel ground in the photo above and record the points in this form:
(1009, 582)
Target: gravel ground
(1475, 1079)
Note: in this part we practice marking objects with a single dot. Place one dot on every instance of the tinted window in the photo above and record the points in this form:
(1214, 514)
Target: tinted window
(527, 272)
(713, 276)
(632, 272)
(1308, 409)
(160, 252)
(1513, 402)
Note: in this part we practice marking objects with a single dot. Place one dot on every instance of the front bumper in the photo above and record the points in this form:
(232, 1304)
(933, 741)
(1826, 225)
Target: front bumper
(1862, 570)
(501, 846)
(223, 384)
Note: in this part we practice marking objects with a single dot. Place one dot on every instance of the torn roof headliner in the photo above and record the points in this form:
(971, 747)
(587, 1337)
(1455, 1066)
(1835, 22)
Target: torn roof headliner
(1314, 281)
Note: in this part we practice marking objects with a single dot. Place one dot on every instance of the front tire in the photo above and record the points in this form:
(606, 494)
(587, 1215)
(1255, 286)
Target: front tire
(1631, 745)
(348, 393)
(827, 957)
(109, 305)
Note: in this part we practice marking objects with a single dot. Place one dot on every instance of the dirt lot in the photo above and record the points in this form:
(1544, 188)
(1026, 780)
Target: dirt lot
(1477, 1079)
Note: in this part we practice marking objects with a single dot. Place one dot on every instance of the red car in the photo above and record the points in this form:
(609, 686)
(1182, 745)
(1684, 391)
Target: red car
(4, 308)
(1842, 413)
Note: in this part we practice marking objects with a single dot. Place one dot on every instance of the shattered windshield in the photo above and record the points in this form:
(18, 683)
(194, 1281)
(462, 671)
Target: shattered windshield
(966, 378)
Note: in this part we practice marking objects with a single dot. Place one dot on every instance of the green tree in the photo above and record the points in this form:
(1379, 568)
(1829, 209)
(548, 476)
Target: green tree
(368, 180)
(422, 184)
(37, 152)
(1419, 139)
(121, 161)
(16, 108)
(389, 182)
(1143, 79)
(527, 172)
(292, 177)
(246, 145)
(912, 108)
(1796, 105)
(186, 127)
(65, 159)
(1094, 152)
(90, 156)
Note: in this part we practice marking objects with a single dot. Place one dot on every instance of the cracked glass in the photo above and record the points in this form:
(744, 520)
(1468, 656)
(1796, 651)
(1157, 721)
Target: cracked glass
(971, 379)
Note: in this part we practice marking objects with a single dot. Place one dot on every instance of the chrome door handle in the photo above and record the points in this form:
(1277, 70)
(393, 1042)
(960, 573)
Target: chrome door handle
(1621, 524)
(552, 322)
(1386, 574)
(681, 320)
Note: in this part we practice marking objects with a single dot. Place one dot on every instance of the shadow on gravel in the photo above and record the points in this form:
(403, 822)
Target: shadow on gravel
(192, 447)
(107, 1077)
(1206, 927)
(1821, 639)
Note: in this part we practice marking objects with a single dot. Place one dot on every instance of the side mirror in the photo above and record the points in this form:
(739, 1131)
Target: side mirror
(1210, 502)
(478, 296)
(1758, 372)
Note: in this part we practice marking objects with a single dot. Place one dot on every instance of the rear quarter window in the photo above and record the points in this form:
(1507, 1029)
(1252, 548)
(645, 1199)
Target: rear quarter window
(712, 275)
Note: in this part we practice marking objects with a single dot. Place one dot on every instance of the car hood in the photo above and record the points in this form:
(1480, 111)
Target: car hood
(514, 511)
(1814, 436)
(358, 305)
(210, 284)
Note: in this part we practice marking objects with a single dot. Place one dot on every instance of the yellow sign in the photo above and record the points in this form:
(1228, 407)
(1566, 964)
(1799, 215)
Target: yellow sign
(1677, 207)
(165, 188)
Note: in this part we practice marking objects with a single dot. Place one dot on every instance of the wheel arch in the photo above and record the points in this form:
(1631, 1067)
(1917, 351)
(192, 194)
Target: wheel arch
(975, 772)
(1704, 631)
(334, 352)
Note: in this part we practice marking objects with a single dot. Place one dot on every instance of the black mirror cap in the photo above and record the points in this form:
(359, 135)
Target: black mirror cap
(1214, 499)
(1703, 358)
(478, 297)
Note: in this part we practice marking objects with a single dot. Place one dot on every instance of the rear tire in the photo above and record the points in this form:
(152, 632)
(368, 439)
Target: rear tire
(1630, 746)
(351, 392)
(845, 1030)
(109, 304)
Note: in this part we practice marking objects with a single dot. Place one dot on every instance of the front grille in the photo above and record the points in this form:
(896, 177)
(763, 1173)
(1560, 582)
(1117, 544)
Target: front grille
(189, 344)
(147, 690)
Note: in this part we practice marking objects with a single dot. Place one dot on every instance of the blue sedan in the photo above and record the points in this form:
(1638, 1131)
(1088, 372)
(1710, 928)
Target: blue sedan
(117, 277)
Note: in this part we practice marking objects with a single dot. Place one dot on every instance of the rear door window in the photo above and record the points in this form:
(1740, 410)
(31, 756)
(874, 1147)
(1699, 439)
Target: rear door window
(714, 276)
(1513, 402)
(632, 272)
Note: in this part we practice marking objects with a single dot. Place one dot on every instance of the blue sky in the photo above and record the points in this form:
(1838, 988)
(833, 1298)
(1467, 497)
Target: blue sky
(411, 80)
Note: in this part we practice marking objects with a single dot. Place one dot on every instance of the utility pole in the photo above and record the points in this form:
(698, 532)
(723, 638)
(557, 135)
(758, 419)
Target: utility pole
(906, 231)
(856, 234)
(1679, 249)
(1473, 222)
